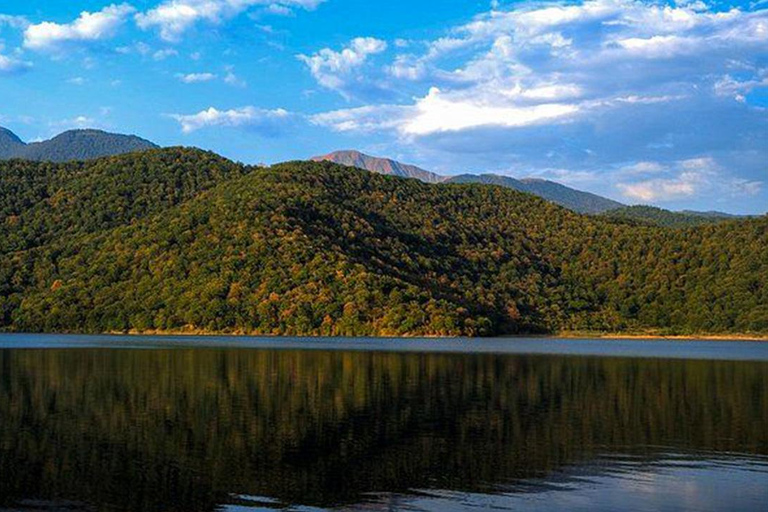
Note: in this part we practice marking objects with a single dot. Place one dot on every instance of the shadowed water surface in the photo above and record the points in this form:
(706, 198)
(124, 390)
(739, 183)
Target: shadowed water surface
(91, 423)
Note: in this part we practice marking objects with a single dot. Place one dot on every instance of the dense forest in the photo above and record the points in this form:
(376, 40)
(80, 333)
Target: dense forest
(178, 239)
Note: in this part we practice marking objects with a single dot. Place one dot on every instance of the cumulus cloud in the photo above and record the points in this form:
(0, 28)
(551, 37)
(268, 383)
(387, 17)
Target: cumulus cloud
(88, 27)
(196, 78)
(172, 18)
(582, 86)
(76, 123)
(232, 79)
(164, 54)
(521, 67)
(437, 112)
(11, 65)
(334, 69)
(17, 22)
(268, 122)
(685, 178)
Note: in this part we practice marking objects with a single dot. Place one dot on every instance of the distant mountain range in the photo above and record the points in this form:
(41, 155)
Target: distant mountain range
(71, 145)
(582, 202)
(571, 198)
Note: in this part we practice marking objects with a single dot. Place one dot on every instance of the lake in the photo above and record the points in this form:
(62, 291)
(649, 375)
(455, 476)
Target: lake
(244, 424)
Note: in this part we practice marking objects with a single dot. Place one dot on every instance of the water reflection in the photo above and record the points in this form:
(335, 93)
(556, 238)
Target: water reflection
(198, 429)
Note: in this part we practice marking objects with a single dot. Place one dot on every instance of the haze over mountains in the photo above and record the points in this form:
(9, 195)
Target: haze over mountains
(71, 145)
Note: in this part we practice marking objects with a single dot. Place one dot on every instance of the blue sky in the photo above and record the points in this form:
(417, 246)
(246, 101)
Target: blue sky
(661, 103)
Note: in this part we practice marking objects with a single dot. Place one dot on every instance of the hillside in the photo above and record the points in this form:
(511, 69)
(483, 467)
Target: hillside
(379, 165)
(181, 238)
(71, 145)
(576, 200)
(660, 217)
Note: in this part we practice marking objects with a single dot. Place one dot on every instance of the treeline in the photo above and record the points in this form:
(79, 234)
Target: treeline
(181, 239)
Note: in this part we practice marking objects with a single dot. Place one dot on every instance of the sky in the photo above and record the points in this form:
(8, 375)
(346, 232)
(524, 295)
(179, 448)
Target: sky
(662, 103)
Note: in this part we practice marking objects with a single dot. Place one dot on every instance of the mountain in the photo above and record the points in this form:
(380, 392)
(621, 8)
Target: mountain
(180, 239)
(9, 142)
(386, 166)
(71, 145)
(666, 218)
(576, 200)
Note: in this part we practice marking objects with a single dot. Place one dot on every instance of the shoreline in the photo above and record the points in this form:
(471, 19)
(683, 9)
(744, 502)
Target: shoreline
(671, 337)
(563, 335)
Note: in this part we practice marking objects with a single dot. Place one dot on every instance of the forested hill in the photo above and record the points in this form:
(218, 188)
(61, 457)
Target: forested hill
(71, 145)
(177, 238)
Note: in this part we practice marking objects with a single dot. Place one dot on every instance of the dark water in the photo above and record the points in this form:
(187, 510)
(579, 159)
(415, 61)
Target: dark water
(265, 424)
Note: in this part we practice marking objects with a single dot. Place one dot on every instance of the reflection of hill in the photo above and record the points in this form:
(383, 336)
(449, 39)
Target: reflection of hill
(182, 430)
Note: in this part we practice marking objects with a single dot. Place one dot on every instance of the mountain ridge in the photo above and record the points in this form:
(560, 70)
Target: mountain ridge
(80, 144)
(577, 200)
(387, 166)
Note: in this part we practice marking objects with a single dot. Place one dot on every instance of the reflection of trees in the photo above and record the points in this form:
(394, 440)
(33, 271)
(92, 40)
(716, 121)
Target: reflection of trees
(180, 430)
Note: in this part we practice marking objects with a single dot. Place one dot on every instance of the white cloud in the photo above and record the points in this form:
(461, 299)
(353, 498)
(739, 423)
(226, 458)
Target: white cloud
(232, 79)
(76, 123)
(174, 17)
(87, 28)
(740, 187)
(406, 67)
(437, 112)
(164, 54)
(196, 78)
(685, 185)
(17, 22)
(686, 178)
(11, 65)
(363, 119)
(332, 69)
(642, 168)
(267, 121)
(140, 48)
(660, 47)
(738, 89)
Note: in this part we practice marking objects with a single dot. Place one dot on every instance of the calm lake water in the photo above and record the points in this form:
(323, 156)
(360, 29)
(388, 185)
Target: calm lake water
(238, 424)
